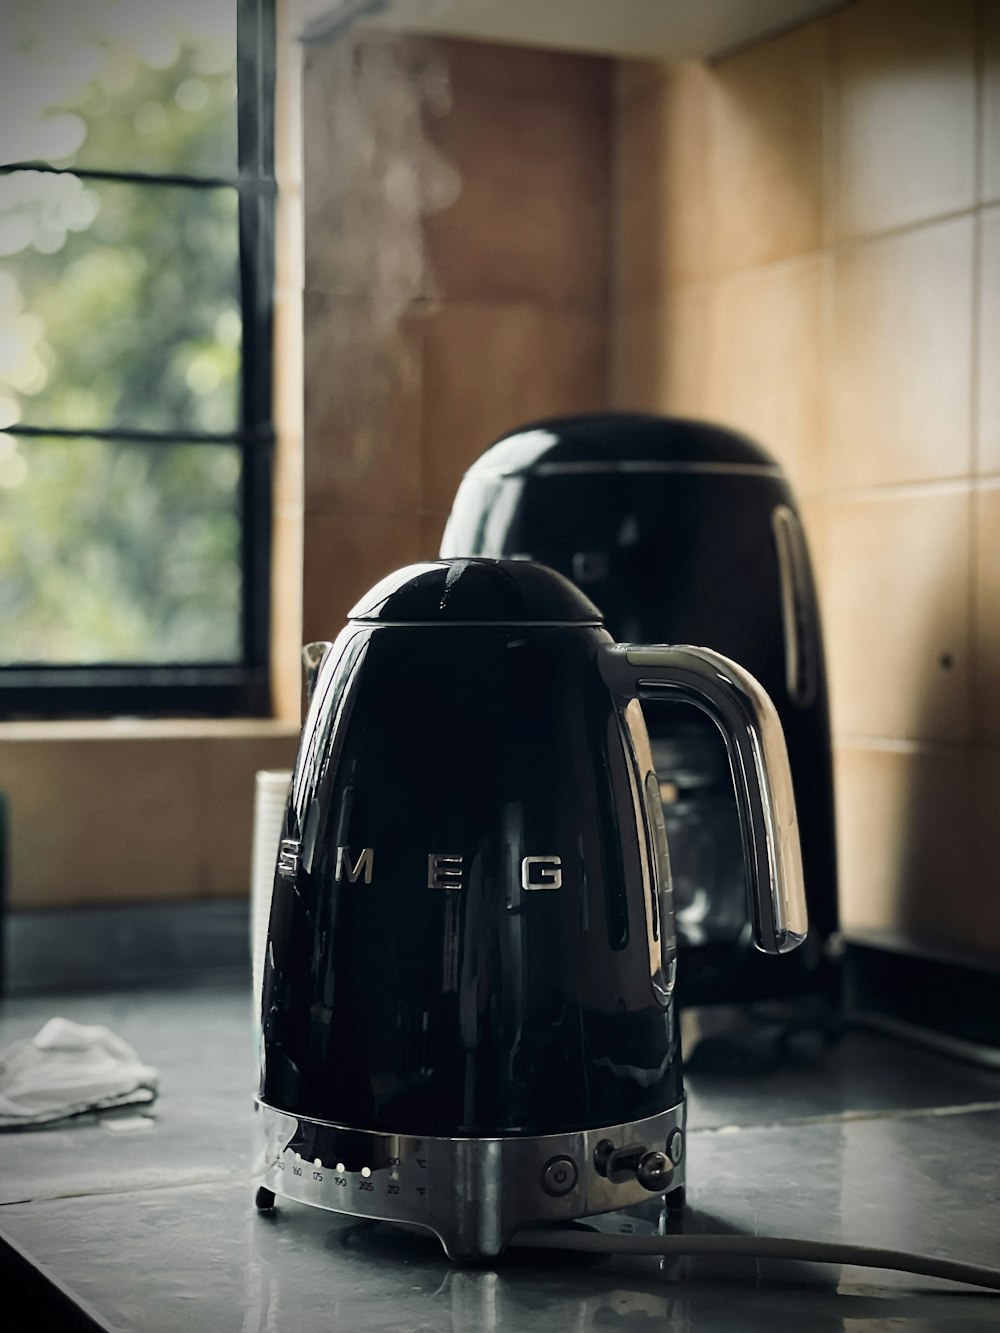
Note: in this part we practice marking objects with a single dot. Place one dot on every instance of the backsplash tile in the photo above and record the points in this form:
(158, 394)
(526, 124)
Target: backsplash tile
(905, 842)
(491, 366)
(660, 359)
(901, 358)
(639, 357)
(89, 852)
(905, 99)
(369, 170)
(347, 553)
(661, 202)
(525, 73)
(988, 406)
(529, 219)
(765, 150)
(765, 363)
(363, 404)
(897, 614)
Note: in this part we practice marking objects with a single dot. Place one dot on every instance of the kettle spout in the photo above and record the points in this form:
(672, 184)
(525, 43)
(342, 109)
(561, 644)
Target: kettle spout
(313, 657)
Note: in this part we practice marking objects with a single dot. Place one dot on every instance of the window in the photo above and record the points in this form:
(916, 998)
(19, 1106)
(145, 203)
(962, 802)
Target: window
(136, 272)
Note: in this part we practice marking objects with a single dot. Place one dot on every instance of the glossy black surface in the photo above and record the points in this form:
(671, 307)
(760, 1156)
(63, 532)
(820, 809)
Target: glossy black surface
(490, 1007)
(667, 525)
(460, 591)
(626, 437)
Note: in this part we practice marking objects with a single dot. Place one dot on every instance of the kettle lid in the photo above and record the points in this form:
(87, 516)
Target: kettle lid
(476, 591)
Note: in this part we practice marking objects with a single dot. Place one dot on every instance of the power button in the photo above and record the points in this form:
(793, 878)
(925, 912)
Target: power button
(559, 1176)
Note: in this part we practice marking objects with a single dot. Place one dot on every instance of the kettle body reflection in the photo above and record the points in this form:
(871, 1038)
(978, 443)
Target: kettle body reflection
(467, 1009)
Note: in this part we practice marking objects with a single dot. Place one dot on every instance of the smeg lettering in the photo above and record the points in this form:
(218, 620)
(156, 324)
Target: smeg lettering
(352, 872)
(445, 869)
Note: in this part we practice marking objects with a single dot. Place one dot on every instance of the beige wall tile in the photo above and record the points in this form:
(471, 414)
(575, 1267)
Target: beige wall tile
(370, 171)
(905, 98)
(986, 695)
(687, 349)
(639, 365)
(633, 77)
(661, 354)
(104, 821)
(897, 615)
(813, 515)
(990, 164)
(661, 221)
(227, 817)
(765, 364)
(642, 190)
(765, 150)
(346, 554)
(358, 47)
(362, 404)
(988, 408)
(133, 818)
(491, 367)
(522, 72)
(431, 532)
(904, 838)
(900, 371)
(531, 216)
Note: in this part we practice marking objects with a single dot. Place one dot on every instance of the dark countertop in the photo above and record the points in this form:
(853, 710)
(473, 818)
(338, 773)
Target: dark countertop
(874, 1143)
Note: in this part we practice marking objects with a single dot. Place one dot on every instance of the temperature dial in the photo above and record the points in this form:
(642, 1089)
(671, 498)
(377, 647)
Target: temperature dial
(653, 1170)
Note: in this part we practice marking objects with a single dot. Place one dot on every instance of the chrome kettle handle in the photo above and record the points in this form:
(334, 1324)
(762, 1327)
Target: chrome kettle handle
(758, 759)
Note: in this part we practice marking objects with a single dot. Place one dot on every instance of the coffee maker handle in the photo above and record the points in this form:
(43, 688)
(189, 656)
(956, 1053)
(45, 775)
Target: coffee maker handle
(758, 759)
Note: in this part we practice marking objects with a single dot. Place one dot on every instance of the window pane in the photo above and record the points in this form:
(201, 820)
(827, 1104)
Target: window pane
(122, 85)
(124, 553)
(119, 305)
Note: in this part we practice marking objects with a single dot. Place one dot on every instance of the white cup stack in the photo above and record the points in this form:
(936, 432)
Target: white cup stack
(270, 799)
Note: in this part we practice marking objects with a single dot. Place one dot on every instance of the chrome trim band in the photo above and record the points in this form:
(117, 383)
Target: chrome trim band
(472, 1193)
(480, 624)
(715, 469)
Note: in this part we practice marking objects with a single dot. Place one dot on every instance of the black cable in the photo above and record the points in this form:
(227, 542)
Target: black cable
(762, 1247)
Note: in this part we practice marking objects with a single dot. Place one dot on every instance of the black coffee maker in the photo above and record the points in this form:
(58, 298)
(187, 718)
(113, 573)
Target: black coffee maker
(683, 532)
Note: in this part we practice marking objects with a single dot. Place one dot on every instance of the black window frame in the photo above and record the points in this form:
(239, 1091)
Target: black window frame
(199, 689)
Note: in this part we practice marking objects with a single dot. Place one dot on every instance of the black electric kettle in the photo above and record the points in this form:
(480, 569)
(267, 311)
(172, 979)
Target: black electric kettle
(467, 1014)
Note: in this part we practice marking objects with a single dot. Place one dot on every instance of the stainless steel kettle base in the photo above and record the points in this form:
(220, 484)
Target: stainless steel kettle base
(473, 1193)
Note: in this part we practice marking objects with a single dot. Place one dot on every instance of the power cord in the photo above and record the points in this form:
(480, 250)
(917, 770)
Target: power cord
(762, 1247)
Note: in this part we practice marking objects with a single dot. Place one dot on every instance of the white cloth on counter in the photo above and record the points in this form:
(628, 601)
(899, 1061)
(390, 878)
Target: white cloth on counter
(68, 1068)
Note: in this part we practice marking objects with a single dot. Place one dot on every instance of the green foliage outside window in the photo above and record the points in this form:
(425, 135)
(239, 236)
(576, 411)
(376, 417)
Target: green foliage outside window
(119, 309)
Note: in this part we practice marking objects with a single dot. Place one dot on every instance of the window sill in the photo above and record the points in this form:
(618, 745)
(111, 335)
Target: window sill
(147, 729)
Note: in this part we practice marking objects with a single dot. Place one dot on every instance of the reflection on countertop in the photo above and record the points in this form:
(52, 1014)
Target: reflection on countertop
(874, 1143)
